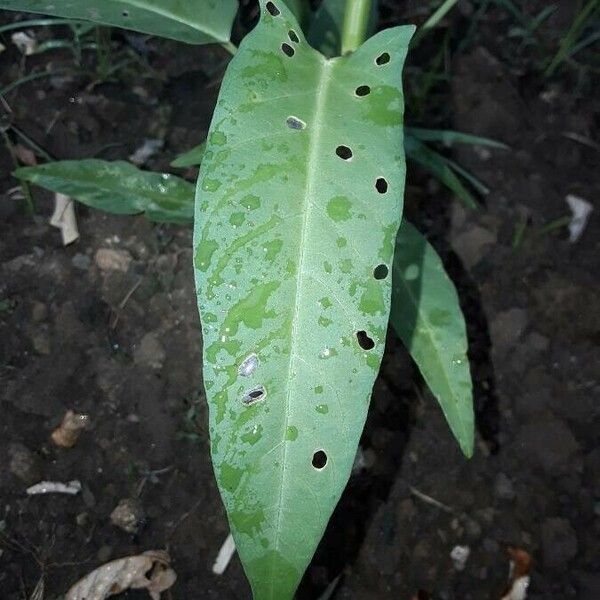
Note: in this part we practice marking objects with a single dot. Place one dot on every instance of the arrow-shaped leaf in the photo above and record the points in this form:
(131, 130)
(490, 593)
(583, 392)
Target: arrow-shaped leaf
(427, 316)
(116, 187)
(197, 22)
(298, 205)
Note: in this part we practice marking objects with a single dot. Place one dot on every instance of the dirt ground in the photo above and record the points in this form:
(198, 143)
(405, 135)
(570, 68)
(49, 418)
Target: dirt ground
(119, 340)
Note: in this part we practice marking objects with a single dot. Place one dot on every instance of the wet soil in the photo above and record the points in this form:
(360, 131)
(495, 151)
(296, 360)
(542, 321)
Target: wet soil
(121, 342)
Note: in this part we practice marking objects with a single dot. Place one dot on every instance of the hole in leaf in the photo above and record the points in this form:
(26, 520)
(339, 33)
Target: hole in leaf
(363, 90)
(295, 123)
(254, 395)
(125, 13)
(248, 366)
(344, 152)
(380, 271)
(319, 460)
(287, 49)
(381, 185)
(382, 59)
(293, 36)
(273, 10)
(364, 341)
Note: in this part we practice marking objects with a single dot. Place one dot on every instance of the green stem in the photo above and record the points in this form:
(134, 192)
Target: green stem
(231, 48)
(356, 20)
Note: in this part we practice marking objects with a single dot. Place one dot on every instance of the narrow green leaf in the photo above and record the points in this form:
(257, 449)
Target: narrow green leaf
(439, 166)
(449, 137)
(427, 316)
(197, 22)
(116, 187)
(570, 39)
(191, 158)
(326, 24)
(290, 229)
(444, 8)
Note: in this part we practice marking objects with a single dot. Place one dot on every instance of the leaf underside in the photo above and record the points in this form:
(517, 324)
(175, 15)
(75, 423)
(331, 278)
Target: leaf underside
(200, 22)
(427, 316)
(288, 237)
(116, 187)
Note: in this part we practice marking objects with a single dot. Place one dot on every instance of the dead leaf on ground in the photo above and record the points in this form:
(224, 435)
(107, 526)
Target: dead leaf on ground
(520, 566)
(25, 42)
(150, 571)
(70, 429)
(64, 218)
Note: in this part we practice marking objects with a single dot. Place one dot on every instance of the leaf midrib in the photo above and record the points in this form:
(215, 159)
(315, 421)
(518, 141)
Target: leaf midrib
(324, 82)
(104, 188)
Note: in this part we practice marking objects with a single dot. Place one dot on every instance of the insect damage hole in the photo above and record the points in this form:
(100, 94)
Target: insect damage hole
(248, 366)
(364, 341)
(319, 460)
(344, 152)
(254, 395)
(295, 123)
(382, 59)
(380, 272)
(287, 49)
(381, 185)
(293, 36)
(273, 10)
(362, 90)
(125, 13)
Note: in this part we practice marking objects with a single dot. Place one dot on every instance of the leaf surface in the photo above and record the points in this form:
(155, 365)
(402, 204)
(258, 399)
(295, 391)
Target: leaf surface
(427, 316)
(194, 22)
(116, 187)
(289, 232)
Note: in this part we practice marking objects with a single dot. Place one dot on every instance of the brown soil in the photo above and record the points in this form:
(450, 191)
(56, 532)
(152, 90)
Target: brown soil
(123, 346)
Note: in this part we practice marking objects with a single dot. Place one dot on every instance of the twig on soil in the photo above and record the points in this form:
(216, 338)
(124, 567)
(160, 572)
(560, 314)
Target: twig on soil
(38, 591)
(430, 500)
(184, 517)
(224, 556)
(114, 320)
(55, 487)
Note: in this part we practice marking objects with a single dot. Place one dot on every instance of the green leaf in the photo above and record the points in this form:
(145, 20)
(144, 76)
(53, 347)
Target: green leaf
(191, 158)
(440, 166)
(427, 316)
(445, 7)
(288, 236)
(195, 22)
(449, 137)
(326, 23)
(116, 187)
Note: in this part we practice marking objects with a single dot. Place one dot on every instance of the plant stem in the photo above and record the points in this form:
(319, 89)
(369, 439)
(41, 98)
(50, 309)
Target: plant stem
(231, 48)
(356, 20)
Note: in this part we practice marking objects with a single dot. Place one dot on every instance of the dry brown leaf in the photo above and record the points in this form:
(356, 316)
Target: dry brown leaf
(70, 429)
(520, 566)
(149, 571)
